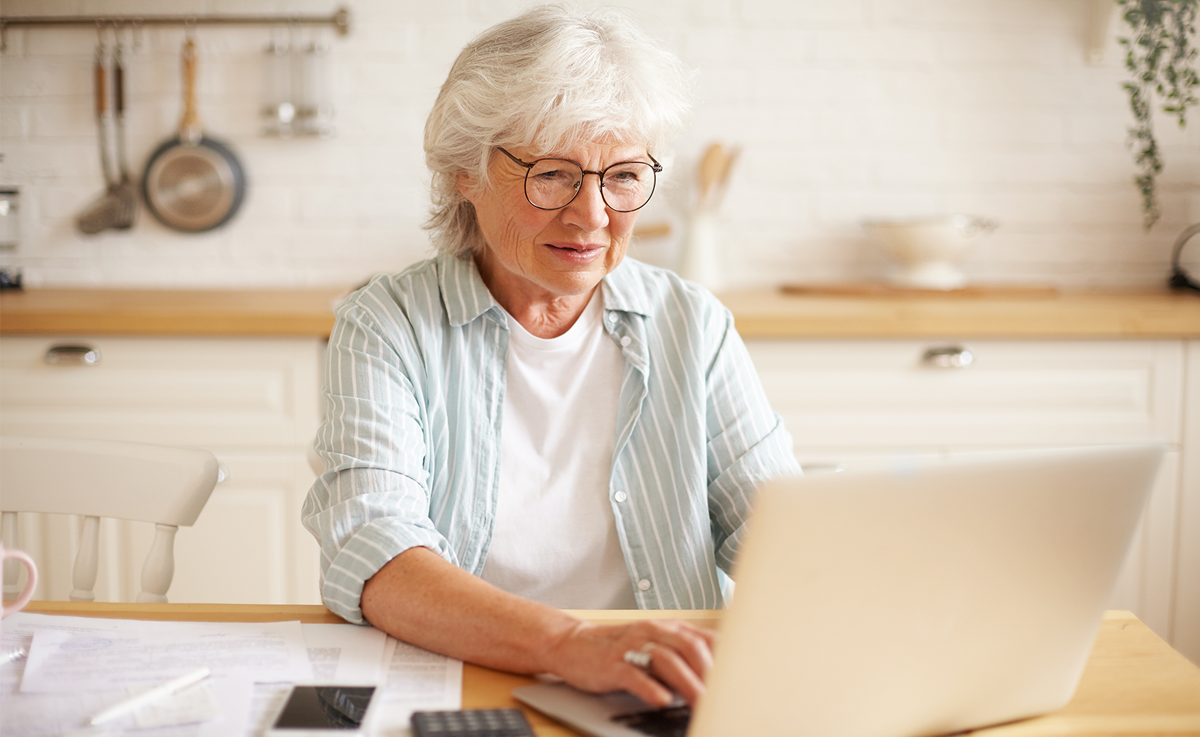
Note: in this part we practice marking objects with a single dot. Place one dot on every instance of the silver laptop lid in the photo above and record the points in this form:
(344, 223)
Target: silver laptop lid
(932, 598)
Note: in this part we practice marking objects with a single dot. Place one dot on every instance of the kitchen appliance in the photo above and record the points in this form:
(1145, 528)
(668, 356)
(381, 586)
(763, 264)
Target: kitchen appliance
(193, 183)
(926, 250)
(1179, 275)
(10, 218)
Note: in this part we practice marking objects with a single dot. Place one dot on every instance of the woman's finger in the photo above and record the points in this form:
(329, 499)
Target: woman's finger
(674, 671)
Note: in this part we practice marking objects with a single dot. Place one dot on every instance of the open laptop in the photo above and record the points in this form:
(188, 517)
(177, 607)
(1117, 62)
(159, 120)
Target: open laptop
(934, 597)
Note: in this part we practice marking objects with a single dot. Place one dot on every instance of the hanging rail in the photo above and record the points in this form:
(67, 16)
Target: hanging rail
(339, 20)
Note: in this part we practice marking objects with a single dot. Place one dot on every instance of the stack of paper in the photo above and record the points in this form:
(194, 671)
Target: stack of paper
(78, 667)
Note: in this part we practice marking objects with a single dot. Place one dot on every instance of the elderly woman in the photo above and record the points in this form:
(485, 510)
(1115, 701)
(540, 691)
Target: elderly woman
(531, 422)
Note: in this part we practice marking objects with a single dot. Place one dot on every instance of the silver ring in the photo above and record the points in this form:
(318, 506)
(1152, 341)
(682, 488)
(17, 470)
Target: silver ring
(639, 658)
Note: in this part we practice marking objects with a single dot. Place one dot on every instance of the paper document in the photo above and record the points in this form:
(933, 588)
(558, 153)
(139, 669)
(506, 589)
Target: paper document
(344, 654)
(79, 666)
(407, 679)
(146, 654)
(415, 679)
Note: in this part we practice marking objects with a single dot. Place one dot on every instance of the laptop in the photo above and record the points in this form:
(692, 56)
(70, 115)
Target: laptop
(933, 597)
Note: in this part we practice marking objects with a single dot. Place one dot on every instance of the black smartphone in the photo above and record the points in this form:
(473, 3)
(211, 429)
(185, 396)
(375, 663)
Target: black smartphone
(323, 710)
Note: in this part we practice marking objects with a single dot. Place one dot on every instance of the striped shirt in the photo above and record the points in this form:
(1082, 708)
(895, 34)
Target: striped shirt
(414, 391)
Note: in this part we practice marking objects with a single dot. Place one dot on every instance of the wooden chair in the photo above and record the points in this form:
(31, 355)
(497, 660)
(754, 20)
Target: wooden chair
(97, 478)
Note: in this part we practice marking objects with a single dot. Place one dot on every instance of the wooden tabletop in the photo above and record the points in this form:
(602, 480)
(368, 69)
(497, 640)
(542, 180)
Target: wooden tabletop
(1134, 683)
(759, 313)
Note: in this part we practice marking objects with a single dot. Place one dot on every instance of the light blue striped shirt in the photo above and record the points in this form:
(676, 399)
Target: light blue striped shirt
(414, 392)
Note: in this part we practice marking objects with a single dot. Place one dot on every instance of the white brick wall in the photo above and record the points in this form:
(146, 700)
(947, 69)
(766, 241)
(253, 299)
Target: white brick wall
(846, 110)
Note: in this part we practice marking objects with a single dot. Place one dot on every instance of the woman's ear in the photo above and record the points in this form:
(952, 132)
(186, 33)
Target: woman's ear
(466, 186)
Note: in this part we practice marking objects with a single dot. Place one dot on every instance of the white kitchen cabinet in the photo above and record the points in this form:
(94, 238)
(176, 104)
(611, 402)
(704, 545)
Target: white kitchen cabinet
(252, 402)
(865, 403)
(1187, 573)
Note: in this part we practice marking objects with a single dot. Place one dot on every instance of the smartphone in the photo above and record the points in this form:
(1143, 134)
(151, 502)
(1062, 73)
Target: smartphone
(323, 710)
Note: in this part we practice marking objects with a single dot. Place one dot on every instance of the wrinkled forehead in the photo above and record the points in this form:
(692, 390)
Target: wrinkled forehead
(622, 141)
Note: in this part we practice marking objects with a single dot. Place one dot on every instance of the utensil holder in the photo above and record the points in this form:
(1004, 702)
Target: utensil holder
(700, 260)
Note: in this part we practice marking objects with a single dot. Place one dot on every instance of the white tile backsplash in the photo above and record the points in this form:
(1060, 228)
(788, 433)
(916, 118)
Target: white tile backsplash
(845, 111)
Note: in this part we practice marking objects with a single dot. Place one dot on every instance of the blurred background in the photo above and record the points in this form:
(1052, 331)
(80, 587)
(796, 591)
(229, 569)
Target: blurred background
(842, 111)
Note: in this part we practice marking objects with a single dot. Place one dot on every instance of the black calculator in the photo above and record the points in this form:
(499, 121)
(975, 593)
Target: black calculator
(471, 723)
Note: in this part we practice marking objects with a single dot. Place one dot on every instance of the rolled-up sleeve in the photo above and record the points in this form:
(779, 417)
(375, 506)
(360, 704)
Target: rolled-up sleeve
(372, 502)
(747, 441)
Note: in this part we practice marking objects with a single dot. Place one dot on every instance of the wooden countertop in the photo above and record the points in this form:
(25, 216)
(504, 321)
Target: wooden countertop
(760, 313)
(775, 314)
(184, 312)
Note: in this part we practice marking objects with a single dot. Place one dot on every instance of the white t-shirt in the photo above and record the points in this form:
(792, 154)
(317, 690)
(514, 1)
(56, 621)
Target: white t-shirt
(555, 538)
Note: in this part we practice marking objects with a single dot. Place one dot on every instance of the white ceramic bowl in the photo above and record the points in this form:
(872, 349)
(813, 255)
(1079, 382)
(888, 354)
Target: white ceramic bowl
(927, 250)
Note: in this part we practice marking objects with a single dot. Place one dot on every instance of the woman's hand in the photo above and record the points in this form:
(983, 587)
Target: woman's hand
(420, 598)
(592, 657)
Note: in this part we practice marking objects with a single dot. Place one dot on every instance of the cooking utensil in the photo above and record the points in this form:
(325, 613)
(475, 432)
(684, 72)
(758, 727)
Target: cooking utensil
(193, 183)
(105, 211)
(708, 173)
(125, 191)
(712, 175)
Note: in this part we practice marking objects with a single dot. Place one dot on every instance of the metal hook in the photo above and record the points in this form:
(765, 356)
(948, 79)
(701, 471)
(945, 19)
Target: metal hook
(136, 25)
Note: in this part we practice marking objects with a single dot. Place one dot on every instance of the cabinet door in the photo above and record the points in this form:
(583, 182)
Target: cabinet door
(248, 546)
(252, 402)
(201, 392)
(881, 395)
(1146, 585)
(866, 404)
(1186, 619)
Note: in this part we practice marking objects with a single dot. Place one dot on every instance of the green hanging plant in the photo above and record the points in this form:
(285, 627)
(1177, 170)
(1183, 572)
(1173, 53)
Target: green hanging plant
(1160, 57)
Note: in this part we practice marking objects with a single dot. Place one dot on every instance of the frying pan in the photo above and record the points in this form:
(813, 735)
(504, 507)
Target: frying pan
(192, 182)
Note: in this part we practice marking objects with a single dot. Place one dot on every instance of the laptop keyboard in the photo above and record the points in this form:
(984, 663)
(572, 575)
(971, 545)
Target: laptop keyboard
(670, 722)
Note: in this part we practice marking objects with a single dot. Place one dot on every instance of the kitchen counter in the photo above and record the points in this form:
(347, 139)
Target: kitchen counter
(760, 313)
(183, 312)
(773, 313)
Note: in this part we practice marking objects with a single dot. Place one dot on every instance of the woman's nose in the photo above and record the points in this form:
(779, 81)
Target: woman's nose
(587, 210)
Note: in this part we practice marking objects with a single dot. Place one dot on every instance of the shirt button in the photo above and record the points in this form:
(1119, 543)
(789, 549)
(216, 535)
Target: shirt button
(644, 585)
(625, 341)
(620, 496)
(612, 317)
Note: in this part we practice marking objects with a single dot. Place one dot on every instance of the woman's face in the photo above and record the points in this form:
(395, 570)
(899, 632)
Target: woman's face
(545, 255)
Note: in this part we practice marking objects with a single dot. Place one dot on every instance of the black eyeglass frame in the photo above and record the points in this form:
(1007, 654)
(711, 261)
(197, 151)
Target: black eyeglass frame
(654, 167)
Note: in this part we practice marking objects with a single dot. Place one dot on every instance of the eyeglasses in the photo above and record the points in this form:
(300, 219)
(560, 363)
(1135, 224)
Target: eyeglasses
(552, 184)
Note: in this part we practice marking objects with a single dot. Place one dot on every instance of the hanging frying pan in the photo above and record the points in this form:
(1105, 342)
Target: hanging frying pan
(192, 182)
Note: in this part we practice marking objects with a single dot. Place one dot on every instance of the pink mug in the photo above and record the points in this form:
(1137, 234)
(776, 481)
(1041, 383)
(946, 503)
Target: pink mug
(27, 594)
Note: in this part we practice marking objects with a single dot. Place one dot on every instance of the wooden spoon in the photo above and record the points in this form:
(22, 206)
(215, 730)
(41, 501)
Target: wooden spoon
(708, 174)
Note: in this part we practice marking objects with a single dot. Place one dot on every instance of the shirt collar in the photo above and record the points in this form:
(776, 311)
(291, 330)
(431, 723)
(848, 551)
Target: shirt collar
(625, 290)
(464, 294)
(466, 297)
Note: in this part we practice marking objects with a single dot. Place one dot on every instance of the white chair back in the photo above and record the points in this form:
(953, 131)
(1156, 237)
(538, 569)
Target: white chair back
(97, 478)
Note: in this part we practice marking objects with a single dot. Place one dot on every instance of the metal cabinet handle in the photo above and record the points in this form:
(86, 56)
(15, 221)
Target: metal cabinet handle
(948, 357)
(813, 468)
(72, 355)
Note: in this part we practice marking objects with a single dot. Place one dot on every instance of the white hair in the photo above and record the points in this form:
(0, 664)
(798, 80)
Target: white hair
(548, 80)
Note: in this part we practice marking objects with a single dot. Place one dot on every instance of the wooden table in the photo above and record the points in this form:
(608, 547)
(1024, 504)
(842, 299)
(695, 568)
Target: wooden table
(1134, 683)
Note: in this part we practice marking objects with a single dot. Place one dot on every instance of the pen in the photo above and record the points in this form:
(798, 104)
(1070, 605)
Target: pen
(14, 656)
(153, 694)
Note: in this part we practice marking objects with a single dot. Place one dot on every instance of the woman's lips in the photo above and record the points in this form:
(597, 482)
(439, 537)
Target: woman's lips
(576, 252)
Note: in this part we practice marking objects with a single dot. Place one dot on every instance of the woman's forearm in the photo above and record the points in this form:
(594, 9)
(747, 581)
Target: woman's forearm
(420, 598)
